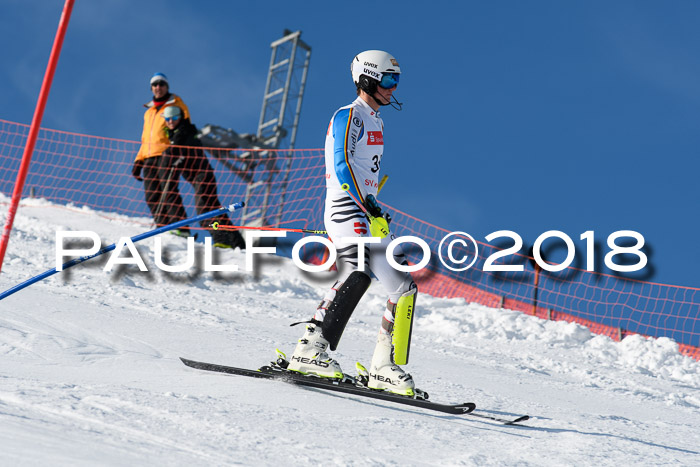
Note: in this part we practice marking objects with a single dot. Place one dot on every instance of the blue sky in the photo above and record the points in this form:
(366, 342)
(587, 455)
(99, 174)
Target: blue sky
(525, 116)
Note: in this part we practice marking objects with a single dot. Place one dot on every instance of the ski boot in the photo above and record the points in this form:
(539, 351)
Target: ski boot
(386, 375)
(310, 356)
(228, 239)
(183, 232)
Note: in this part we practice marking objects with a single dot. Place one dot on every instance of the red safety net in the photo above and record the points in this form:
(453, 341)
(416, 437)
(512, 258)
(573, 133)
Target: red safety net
(285, 188)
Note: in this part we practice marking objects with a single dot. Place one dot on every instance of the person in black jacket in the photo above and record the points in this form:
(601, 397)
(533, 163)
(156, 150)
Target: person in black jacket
(185, 157)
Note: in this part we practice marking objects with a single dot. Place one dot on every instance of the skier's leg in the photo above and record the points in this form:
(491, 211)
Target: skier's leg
(152, 185)
(334, 311)
(199, 173)
(326, 327)
(169, 208)
(394, 337)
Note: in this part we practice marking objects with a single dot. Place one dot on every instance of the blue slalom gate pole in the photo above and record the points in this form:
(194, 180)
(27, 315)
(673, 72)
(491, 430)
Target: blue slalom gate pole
(134, 239)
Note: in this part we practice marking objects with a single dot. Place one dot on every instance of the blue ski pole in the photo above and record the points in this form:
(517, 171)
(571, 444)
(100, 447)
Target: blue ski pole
(134, 239)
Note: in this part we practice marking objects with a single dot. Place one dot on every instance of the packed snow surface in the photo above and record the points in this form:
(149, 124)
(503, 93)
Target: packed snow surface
(90, 372)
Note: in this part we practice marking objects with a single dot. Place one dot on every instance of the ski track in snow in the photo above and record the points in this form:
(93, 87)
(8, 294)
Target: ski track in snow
(90, 372)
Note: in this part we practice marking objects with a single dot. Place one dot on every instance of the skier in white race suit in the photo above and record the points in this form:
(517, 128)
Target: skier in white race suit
(353, 152)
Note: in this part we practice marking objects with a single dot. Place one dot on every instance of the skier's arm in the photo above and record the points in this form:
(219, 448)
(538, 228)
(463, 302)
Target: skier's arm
(347, 133)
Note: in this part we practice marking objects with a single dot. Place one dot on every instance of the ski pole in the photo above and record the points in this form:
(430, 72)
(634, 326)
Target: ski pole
(381, 183)
(134, 239)
(163, 194)
(217, 226)
(382, 230)
(346, 188)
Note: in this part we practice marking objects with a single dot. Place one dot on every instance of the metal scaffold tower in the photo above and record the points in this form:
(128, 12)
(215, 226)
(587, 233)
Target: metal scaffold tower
(279, 117)
(277, 129)
(284, 90)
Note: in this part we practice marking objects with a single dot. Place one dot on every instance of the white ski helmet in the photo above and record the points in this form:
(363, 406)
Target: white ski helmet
(373, 64)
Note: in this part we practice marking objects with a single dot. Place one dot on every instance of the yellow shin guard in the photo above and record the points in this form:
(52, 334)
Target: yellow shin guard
(403, 325)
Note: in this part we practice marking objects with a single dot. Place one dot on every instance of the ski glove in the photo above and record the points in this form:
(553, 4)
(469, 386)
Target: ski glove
(136, 170)
(378, 220)
(372, 206)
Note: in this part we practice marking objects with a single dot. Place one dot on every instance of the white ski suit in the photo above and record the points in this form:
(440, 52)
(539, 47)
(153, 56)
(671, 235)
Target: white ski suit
(353, 152)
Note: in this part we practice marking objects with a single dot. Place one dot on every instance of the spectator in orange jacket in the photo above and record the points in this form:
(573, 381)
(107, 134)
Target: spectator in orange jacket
(159, 179)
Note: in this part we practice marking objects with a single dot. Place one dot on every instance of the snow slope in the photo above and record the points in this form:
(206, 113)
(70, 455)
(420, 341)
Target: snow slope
(90, 372)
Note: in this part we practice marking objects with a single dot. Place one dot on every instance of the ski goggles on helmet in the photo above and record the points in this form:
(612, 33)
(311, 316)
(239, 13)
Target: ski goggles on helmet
(174, 118)
(389, 80)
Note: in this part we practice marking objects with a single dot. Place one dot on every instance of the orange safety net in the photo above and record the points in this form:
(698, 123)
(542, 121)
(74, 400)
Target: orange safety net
(285, 188)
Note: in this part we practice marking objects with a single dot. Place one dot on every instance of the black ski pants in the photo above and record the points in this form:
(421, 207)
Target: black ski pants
(161, 176)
